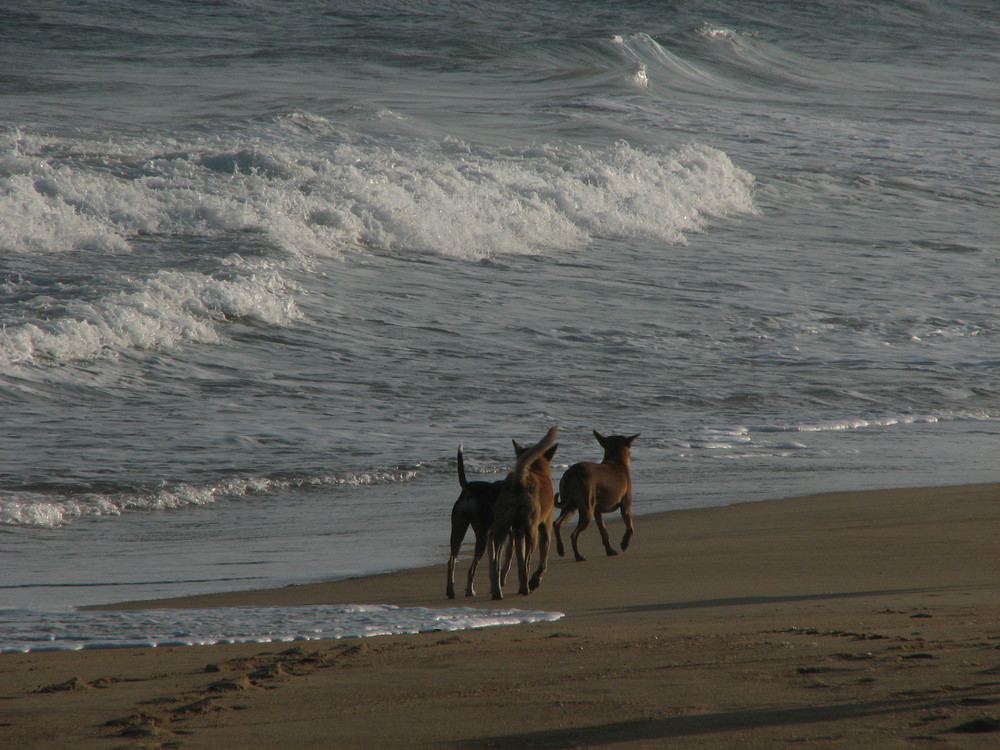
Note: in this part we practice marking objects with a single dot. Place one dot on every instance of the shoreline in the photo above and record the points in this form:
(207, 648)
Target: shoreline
(852, 619)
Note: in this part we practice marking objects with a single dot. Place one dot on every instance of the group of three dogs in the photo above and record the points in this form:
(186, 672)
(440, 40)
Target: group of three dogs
(517, 512)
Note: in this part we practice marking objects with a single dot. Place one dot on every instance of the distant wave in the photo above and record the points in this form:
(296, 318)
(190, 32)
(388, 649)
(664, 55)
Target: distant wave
(666, 68)
(710, 60)
(757, 440)
(49, 509)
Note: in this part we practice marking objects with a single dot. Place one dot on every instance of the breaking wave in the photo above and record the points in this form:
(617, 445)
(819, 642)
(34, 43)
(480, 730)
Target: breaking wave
(49, 509)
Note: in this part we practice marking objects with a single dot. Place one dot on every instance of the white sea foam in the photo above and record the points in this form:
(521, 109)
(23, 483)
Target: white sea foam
(23, 630)
(860, 423)
(45, 510)
(708, 31)
(455, 199)
(442, 197)
(32, 220)
(446, 197)
(165, 310)
(751, 440)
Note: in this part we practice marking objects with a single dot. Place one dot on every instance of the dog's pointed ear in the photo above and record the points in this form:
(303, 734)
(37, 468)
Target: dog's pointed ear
(631, 440)
(600, 437)
(518, 448)
(551, 452)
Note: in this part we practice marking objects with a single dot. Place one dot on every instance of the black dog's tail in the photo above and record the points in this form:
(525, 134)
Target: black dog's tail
(558, 504)
(461, 469)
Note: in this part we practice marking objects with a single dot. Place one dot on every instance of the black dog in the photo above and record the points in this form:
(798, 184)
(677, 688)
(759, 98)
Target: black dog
(474, 508)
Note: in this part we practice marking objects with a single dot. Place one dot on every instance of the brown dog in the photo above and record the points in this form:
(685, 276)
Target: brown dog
(474, 508)
(595, 489)
(524, 511)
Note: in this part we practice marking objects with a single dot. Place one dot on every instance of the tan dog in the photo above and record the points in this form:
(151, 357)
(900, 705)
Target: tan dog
(524, 511)
(595, 489)
(474, 508)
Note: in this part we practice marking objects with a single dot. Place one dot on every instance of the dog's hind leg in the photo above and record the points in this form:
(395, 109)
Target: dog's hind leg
(599, 519)
(582, 524)
(494, 544)
(459, 525)
(481, 541)
(508, 555)
(564, 516)
(544, 542)
(629, 527)
(522, 547)
(450, 590)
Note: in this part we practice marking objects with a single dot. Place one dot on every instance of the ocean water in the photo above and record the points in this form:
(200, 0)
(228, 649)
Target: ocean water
(24, 631)
(264, 267)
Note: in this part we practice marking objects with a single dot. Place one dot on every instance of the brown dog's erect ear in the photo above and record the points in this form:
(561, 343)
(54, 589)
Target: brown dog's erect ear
(518, 448)
(632, 439)
(600, 437)
(551, 452)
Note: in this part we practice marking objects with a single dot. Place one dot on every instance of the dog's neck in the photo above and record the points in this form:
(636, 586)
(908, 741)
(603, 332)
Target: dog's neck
(541, 469)
(618, 457)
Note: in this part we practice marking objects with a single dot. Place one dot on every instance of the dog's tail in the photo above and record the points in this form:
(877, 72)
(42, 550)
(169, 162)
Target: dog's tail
(526, 459)
(558, 504)
(461, 469)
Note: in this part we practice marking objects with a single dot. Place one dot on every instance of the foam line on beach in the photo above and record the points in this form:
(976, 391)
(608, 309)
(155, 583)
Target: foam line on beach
(28, 630)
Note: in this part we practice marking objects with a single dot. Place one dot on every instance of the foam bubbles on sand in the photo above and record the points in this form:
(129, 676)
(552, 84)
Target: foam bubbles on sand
(27, 630)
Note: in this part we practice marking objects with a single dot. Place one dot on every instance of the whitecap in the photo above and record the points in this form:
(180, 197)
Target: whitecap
(166, 310)
(32, 508)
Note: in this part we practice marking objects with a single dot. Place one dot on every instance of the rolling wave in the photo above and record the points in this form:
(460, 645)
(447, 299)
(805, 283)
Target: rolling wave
(162, 311)
(182, 221)
(709, 61)
(45, 508)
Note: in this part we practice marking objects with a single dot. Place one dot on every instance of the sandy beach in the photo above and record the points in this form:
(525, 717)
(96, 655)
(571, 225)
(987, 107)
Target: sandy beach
(844, 620)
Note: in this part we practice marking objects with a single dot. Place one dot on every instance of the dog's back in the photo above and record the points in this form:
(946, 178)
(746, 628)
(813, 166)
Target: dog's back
(475, 503)
(602, 484)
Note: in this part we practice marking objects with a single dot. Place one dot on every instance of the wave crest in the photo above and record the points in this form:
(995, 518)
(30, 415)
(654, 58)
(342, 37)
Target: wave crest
(44, 509)
(298, 196)
(167, 309)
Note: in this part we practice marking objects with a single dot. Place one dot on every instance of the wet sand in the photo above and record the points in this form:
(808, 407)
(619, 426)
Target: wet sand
(846, 620)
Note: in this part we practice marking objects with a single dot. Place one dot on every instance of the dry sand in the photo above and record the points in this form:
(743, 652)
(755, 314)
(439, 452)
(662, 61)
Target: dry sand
(847, 620)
